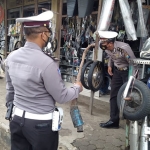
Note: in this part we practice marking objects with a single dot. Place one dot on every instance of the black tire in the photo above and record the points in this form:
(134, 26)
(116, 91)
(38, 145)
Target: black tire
(139, 107)
(16, 45)
(54, 45)
(98, 81)
(85, 69)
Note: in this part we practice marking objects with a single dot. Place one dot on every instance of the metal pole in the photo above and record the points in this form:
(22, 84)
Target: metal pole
(5, 22)
(144, 137)
(127, 146)
(134, 136)
(143, 69)
(95, 53)
(91, 101)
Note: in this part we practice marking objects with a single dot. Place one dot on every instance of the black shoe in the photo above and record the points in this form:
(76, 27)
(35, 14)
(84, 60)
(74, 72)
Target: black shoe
(110, 125)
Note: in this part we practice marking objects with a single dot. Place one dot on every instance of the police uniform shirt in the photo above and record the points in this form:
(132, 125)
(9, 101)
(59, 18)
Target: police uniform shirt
(34, 81)
(121, 55)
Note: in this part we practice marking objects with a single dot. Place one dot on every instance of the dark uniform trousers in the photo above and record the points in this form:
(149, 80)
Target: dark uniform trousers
(27, 134)
(119, 77)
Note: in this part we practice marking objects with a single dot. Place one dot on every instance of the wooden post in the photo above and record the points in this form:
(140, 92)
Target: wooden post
(57, 22)
(95, 54)
(5, 23)
(36, 7)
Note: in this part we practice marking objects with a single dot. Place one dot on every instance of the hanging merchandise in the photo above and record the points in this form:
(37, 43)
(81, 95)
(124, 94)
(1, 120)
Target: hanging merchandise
(127, 18)
(2, 31)
(1, 14)
(145, 51)
(106, 15)
(141, 28)
(72, 8)
(85, 7)
(134, 11)
(11, 43)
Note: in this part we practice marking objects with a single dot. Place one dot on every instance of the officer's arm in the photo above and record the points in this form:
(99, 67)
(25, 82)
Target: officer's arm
(128, 53)
(9, 87)
(110, 62)
(55, 85)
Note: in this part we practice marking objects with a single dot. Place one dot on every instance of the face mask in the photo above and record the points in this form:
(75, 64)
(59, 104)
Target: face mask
(103, 47)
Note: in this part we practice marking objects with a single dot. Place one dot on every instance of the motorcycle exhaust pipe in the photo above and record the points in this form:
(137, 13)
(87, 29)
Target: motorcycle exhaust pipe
(133, 135)
(144, 137)
(76, 118)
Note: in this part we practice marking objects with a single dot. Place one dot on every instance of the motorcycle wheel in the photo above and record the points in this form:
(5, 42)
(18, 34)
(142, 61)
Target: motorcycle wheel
(138, 107)
(96, 76)
(84, 74)
(54, 45)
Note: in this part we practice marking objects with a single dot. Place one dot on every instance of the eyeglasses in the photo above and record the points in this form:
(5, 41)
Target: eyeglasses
(43, 31)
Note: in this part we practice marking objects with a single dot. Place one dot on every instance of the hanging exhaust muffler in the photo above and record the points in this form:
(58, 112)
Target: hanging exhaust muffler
(106, 15)
(127, 18)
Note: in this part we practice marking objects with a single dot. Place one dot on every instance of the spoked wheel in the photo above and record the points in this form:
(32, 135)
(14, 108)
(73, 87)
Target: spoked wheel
(96, 76)
(54, 45)
(138, 106)
(84, 74)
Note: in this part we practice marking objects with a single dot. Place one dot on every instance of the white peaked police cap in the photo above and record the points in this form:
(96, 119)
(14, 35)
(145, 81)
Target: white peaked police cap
(36, 21)
(107, 34)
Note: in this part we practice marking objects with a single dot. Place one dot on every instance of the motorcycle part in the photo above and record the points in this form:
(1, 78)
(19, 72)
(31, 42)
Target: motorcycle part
(138, 107)
(76, 118)
(144, 137)
(134, 135)
(84, 74)
(85, 7)
(96, 76)
(127, 18)
(106, 15)
(54, 45)
(69, 53)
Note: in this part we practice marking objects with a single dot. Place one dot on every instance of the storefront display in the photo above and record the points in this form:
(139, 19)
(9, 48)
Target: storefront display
(77, 32)
(20, 8)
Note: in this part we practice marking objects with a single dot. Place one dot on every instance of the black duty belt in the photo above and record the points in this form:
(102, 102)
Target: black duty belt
(121, 69)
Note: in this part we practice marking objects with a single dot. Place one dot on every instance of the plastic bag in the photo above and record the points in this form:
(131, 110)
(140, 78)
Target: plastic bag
(127, 18)
(145, 51)
(106, 15)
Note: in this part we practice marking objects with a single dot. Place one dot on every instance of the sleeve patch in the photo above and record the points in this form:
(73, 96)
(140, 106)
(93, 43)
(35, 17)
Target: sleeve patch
(59, 71)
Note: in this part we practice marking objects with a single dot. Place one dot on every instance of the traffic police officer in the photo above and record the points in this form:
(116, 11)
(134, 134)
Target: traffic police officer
(119, 55)
(34, 84)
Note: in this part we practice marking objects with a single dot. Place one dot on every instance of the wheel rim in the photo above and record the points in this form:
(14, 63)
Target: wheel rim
(97, 76)
(86, 72)
(136, 100)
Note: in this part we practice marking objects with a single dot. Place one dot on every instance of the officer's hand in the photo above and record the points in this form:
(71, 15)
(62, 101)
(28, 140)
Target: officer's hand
(110, 71)
(79, 84)
(92, 45)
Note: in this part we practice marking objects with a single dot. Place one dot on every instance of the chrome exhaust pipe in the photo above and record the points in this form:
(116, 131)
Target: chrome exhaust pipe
(134, 136)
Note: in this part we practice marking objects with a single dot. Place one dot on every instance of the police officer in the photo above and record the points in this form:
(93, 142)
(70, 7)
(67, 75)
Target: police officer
(119, 55)
(34, 84)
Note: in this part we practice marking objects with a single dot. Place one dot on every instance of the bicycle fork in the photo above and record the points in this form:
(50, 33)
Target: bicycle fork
(131, 78)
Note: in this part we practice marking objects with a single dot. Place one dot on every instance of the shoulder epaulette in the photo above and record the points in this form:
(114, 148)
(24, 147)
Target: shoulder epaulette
(54, 58)
(120, 49)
